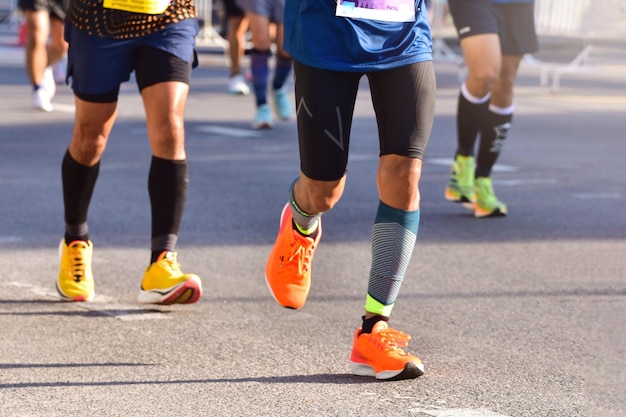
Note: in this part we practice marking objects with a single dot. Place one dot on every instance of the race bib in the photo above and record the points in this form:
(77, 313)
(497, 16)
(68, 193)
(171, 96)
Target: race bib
(138, 6)
(386, 10)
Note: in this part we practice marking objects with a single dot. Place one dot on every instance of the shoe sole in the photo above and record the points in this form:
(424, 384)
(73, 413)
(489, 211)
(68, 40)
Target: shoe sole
(43, 108)
(77, 299)
(464, 201)
(495, 213)
(187, 292)
(264, 125)
(410, 371)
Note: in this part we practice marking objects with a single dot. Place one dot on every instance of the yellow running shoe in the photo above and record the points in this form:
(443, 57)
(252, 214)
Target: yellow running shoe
(288, 268)
(379, 354)
(75, 282)
(164, 283)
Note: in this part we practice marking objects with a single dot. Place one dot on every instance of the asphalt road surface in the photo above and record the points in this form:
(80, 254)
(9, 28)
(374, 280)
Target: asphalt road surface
(522, 316)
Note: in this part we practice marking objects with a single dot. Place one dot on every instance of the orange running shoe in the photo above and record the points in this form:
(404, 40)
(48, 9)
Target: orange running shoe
(288, 268)
(379, 354)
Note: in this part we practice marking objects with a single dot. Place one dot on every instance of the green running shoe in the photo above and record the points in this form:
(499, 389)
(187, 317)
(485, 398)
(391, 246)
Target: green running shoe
(487, 205)
(460, 188)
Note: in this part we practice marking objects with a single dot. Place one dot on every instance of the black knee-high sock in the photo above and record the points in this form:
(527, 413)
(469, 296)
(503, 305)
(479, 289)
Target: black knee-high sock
(468, 120)
(492, 136)
(78, 182)
(167, 187)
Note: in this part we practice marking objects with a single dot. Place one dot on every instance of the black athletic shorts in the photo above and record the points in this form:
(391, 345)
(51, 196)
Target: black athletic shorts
(403, 100)
(513, 22)
(56, 8)
(98, 66)
(231, 9)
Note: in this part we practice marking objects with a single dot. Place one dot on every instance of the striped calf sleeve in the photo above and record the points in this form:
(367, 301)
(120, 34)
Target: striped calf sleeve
(393, 241)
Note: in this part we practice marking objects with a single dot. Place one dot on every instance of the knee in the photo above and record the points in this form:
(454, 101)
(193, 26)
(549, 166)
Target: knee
(480, 82)
(505, 85)
(171, 128)
(398, 181)
(315, 196)
(87, 146)
(167, 138)
(58, 48)
(400, 169)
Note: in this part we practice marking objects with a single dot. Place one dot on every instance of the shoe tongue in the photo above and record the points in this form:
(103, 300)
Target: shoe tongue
(380, 326)
(166, 255)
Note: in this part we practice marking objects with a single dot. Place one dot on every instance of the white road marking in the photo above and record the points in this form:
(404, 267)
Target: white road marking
(11, 54)
(448, 162)
(63, 108)
(528, 181)
(458, 412)
(594, 196)
(228, 131)
(9, 239)
(102, 304)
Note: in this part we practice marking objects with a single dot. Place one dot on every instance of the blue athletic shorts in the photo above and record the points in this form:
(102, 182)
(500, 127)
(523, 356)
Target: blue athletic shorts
(272, 9)
(99, 65)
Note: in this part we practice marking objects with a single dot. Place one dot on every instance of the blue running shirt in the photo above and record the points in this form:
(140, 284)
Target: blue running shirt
(357, 35)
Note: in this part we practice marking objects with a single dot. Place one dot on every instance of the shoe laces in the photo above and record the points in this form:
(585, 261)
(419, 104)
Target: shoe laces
(463, 170)
(300, 258)
(389, 340)
(484, 190)
(77, 261)
(170, 264)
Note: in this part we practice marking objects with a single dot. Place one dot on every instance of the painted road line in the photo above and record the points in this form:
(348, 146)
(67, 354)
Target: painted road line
(458, 412)
(597, 196)
(228, 131)
(11, 55)
(448, 161)
(528, 181)
(63, 108)
(9, 239)
(102, 305)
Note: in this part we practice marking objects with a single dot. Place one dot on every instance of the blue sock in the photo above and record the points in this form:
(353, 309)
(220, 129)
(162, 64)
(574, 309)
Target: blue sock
(260, 73)
(281, 72)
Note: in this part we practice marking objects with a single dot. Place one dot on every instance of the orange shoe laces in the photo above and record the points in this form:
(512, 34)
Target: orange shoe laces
(390, 340)
(300, 259)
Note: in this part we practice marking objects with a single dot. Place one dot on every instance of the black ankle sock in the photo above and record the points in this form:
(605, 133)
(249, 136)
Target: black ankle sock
(154, 255)
(368, 324)
(69, 239)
